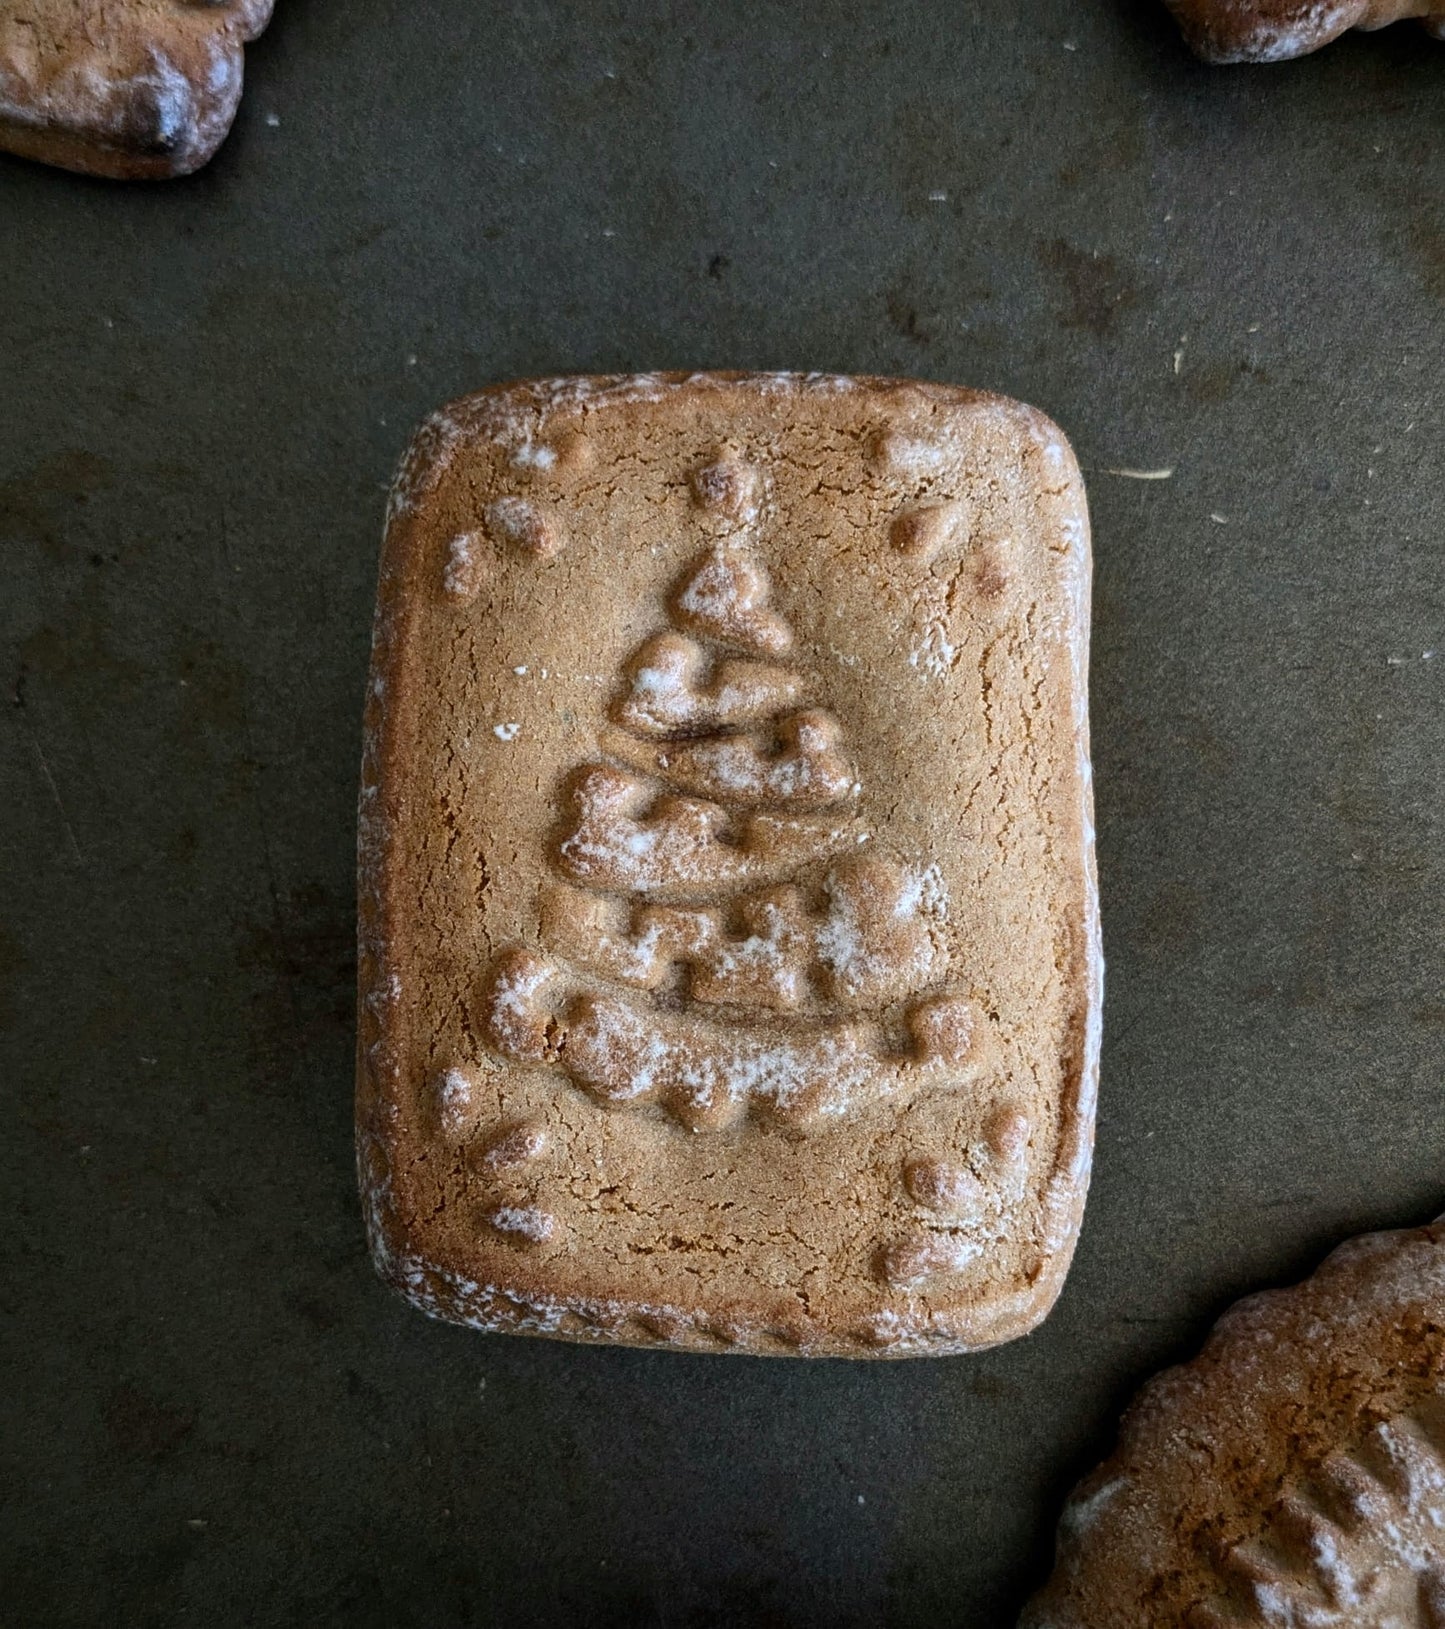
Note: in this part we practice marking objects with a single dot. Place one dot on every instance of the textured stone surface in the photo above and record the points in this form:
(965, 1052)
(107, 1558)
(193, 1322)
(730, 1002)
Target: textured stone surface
(214, 384)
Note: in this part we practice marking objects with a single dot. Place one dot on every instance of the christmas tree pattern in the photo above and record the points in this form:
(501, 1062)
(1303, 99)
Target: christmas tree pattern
(720, 936)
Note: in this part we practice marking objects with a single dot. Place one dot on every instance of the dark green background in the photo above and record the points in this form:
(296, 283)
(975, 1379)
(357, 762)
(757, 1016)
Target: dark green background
(212, 1413)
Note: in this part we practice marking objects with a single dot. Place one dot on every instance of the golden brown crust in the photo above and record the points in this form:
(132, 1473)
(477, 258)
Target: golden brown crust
(730, 860)
(140, 90)
(1293, 1474)
(1232, 31)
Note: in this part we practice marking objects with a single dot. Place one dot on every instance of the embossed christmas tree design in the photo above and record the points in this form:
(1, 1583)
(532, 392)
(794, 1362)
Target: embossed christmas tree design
(722, 937)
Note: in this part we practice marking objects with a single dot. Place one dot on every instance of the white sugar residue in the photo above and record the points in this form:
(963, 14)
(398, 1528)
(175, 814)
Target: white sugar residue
(735, 766)
(924, 893)
(631, 958)
(1318, 24)
(425, 457)
(513, 992)
(454, 1098)
(513, 517)
(457, 578)
(456, 1091)
(636, 1058)
(531, 456)
(524, 1220)
(655, 684)
(506, 732)
(845, 947)
(385, 994)
(915, 457)
(900, 1332)
(773, 957)
(441, 1292)
(934, 654)
(1370, 1576)
(1080, 1514)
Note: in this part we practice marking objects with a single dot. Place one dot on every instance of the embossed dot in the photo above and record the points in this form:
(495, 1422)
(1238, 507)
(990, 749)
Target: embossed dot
(904, 1262)
(663, 1326)
(920, 533)
(1007, 1133)
(516, 1146)
(728, 487)
(990, 572)
(575, 452)
(952, 1190)
(522, 524)
(907, 1262)
(946, 1029)
(902, 454)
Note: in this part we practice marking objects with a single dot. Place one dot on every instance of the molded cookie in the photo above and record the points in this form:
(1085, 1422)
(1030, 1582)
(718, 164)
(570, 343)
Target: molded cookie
(730, 973)
(1291, 1476)
(1226, 31)
(138, 90)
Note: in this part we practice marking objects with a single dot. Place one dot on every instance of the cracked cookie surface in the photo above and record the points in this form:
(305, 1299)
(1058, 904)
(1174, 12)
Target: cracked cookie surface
(729, 948)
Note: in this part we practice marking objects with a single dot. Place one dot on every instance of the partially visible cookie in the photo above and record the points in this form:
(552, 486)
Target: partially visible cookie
(134, 91)
(1225, 31)
(1292, 1475)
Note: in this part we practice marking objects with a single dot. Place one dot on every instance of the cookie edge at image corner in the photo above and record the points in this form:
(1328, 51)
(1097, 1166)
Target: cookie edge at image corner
(427, 456)
(1229, 33)
(1174, 1390)
(100, 118)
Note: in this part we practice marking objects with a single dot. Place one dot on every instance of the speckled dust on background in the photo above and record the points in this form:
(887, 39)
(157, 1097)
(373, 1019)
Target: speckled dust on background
(211, 1407)
(676, 967)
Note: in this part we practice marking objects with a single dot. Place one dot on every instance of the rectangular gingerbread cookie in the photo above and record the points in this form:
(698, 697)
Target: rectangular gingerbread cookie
(730, 970)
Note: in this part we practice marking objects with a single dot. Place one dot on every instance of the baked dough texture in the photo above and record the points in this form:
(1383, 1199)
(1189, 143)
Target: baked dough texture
(130, 89)
(1292, 1476)
(1228, 31)
(729, 961)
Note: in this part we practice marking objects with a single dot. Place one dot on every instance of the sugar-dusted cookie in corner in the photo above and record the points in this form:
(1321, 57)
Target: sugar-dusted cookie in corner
(1229, 31)
(1291, 1477)
(136, 91)
(730, 970)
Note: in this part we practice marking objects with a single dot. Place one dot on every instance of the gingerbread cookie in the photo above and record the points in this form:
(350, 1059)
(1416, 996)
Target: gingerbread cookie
(729, 945)
(1226, 31)
(1291, 1477)
(137, 90)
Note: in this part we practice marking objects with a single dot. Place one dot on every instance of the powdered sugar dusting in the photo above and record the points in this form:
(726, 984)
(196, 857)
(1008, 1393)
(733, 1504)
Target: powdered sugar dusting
(525, 1221)
(459, 575)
